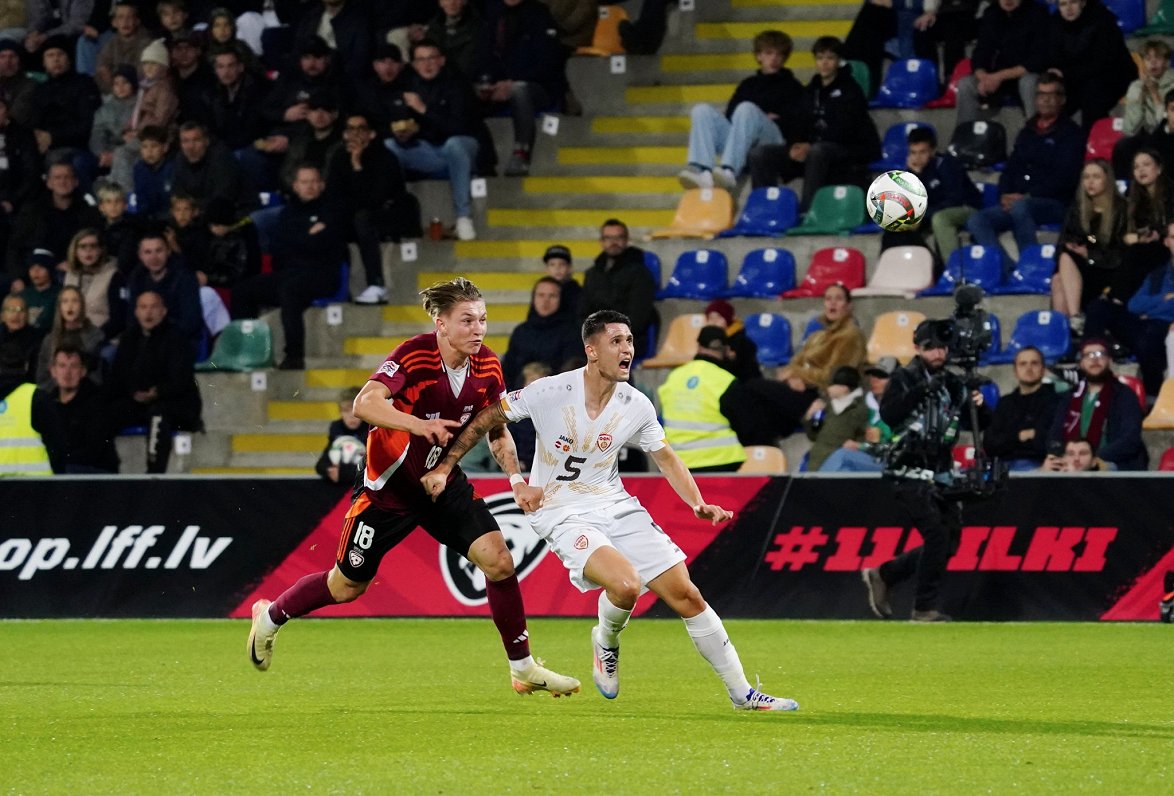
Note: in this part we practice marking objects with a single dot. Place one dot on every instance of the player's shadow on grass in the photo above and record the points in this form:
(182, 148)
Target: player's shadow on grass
(928, 722)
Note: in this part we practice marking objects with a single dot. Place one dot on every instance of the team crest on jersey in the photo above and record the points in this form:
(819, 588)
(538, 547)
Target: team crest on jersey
(581, 543)
(564, 444)
(465, 582)
(465, 418)
(603, 442)
(355, 558)
(514, 396)
(389, 368)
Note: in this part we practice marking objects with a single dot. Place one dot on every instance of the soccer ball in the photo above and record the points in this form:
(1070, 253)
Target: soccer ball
(896, 201)
(346, 450)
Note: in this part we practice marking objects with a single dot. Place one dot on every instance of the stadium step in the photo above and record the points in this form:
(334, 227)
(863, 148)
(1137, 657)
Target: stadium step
(741, 62)
(798, 29)
(278, 443)
(609, 125)
(628, 155)
(626, 186)
(688, 94)
(303, 410)
(590, 219)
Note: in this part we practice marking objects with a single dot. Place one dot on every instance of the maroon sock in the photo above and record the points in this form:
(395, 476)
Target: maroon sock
(509, 614)
(308, 594)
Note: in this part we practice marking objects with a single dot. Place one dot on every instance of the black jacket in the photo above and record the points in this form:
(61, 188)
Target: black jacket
(780, 94)
(293, 87)
(838, 113)
(89, 429)
(41, 225)
(294, 247)
(21, 177)
(379, 183)
(64, 107)
(1017, 412)
(354, 33)
(553, 340)
(1045, 163)
(449, 106)
(521, 42)
(235, 118)
(217, 174)
(625, 285)
(180, 292)
(162, 359)
(1015, 39)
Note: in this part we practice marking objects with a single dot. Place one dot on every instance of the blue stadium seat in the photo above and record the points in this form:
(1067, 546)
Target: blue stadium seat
(895, 145)
(990, 394)
(996, 348)
(765, 273)
(1033, 272)
(908, 84)
(652, 263)
(699, 274)
(990, 194)
(343, 294)
(813, 326)
(772, 334)
(1130, 14)
(1048, 331)
(976, 265)
(768, 212)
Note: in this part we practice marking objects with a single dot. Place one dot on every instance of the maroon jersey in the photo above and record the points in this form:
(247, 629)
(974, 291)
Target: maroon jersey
(419, 385)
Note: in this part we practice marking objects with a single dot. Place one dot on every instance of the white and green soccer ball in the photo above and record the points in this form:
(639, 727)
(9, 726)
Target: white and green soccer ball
(896, 201)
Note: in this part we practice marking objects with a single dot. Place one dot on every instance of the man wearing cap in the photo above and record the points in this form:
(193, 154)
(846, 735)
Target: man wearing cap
(316, 139)
(1023, 418)
(381, 90)
(1102, 410)
(691, 400)
(838, 419)
(558, 263)
(863, 457)
(743, 361)
(194, 77)
(63, 110)
(125, 47)
(288, 100)
(40, 292)
(347, 27)
(925, 405)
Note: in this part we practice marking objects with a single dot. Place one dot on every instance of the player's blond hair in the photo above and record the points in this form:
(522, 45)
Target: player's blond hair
(443, 296)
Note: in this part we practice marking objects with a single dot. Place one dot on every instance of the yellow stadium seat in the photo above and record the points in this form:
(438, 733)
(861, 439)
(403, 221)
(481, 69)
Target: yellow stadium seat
(1162, 415)
(892, 336)
(764, 460)
(702, 213)
(901, 271)
(606, 40)
(680, 342)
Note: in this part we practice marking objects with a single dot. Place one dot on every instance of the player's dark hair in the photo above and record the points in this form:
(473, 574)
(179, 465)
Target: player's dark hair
(922, 135)
(443, 296)
(597, 321)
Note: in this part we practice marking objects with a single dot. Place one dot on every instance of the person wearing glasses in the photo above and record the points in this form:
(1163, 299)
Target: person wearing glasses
(618, 280)
(1102, 410)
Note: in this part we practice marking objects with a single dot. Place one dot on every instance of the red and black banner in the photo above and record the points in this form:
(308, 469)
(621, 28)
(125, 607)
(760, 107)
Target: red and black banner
(1056, 548)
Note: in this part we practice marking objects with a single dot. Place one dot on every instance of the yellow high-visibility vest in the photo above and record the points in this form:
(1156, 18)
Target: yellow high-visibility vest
(21, 449)
(693, 422)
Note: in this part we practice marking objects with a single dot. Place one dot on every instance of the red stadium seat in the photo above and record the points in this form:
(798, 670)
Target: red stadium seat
(949, 98)
(964, 455)
(1103, 137)
(830, 266)
(1166, 465)
(1135, 384)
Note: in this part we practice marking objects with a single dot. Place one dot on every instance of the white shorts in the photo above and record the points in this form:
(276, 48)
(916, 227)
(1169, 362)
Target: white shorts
(628, 527)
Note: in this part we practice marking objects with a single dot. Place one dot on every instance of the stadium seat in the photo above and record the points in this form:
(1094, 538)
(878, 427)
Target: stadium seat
(990, 194)
(813, 326)
(895, 145)
(768, 212)
(1162, 415)
(606, 39)
(996, 347)
(1046, 330)
(910, 83)
(900, 271)
(861, 75)
(680, 342)
(772, 334)
(1103, 137)
(949, 98)
(243, 345)
(830, 266)
(765, 273)
(343, 294)
(1166, 464)
(699, 274)
(652, 263)
(835, 210)
(976, 265)
(990, 394)
(1135, 384)
(892, 336)
(963, 455)
(1130, 14)
(764, 460)
(1032, 274)
(1162, 21)
(979, 144)
(701, 213)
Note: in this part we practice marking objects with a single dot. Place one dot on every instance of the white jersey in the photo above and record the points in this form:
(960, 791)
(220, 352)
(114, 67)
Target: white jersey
(576, 458)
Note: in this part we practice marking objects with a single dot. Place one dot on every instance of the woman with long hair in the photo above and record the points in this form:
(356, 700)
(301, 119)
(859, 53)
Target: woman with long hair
(72, 327)
(99, 280)
(1091, 242)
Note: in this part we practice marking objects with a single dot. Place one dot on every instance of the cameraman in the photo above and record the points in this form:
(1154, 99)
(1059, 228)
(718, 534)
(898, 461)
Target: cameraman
(925, 405)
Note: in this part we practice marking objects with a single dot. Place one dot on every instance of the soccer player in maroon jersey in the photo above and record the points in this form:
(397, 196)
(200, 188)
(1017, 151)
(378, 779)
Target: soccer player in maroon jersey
(416, 402)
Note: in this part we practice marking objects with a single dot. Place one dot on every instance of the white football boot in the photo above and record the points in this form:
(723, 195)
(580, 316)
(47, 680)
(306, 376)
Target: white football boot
(606, 669)
(539, 678)
(261, 638)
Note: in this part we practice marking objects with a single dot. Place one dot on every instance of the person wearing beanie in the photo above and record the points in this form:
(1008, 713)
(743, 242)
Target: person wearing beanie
(124, 47)
(156, 105)
(558, 263)
(63, 108)
(840, 421)
(743, 361)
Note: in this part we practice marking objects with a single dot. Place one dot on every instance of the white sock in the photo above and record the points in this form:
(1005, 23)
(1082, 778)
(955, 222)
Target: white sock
(710, 637)
(521, 664)
(611, 621)
(1170, 355)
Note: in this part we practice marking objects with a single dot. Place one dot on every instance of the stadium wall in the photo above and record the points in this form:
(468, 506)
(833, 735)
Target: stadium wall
(1046, 548)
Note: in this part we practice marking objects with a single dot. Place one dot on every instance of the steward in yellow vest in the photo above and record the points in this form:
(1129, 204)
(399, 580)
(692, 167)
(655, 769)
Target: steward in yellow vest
(30, 429)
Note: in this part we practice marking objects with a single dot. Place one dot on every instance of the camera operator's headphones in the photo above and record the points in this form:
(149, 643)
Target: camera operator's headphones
(934, 334)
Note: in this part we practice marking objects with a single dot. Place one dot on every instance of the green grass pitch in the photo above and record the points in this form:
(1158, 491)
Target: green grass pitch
(407, 706)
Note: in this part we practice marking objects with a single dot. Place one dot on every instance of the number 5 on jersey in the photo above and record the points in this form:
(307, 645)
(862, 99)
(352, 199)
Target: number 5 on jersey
(573, 470)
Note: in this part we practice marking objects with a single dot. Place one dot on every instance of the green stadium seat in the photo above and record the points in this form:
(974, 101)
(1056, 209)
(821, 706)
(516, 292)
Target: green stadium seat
(835, 210)
(243, 345)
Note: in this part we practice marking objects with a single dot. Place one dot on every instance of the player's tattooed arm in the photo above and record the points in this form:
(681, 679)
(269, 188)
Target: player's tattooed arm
(490, 417)
(505, 452)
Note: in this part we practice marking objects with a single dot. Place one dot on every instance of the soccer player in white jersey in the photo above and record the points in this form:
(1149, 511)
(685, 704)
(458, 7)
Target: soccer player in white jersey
(577, 503)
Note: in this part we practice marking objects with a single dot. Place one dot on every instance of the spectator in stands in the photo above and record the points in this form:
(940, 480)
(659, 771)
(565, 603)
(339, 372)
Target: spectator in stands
(54, 19)
(85, 414)
(381, 92)
(522, 66)
(94, 35)
(433, 134)
(1089, 52)
(862, 457)
(187, 234)
(458, 29)
(70, 326)
(841, 417)
(895, 30)
(164, 274)
(692, 403)
(1161, 140)
(1091, 243)
(206, 169)
(366, 181)
(953, 196)
(743, 353)
(18, 335)
(1018, 434)
(315, 140)
(523, 430)
(836, 137)
(347, 27)
(233, 251)
(222, 35)
(309, 247)
(546, 335)
(16, 88)
(619, 280)
(40, 291)
(644, 34)
(1007, 59)
(1076, 456)
(124, 48)
(31, 429)
(1145, 103)
(1040, 177)
(558, 263)
(404, 22)
(232, 104)
(100, 280)
(763, 110)
(152, 380)
(1102, 410)
(157, 105)
(120, 230)
(20, 166)
(173, 18)
(154, 174)
(111, 120)
(51, 220)
(195, 79)
(347, 425)
(63, 111)
(287, 100)
(1150, 202)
